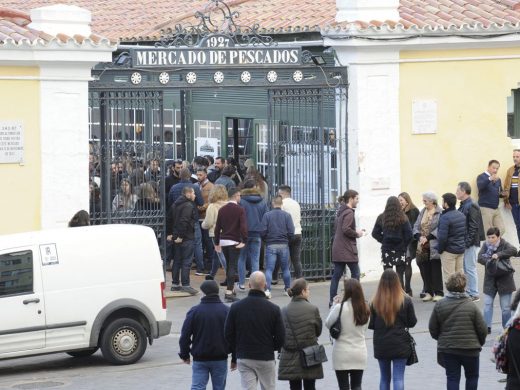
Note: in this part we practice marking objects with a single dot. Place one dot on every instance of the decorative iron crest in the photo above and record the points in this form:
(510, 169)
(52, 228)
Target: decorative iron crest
(216, 29)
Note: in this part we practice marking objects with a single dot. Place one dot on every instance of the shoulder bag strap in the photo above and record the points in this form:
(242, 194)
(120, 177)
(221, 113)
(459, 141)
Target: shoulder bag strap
(292, 329)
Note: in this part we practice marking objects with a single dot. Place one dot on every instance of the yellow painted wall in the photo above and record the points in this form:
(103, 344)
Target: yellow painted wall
(20, 194)
(472, 118)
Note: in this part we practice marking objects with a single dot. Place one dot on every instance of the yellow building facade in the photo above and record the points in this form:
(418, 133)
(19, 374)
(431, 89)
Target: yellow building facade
(20, 203)
(471, 88)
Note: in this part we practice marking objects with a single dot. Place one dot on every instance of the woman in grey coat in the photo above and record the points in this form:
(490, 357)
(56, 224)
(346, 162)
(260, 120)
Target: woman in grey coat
(428, 259)
(302, 328)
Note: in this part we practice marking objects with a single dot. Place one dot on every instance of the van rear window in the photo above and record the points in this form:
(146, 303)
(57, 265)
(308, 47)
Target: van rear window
(16, 273)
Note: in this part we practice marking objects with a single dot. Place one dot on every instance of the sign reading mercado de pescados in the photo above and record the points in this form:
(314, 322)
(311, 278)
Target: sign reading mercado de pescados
(216, 57)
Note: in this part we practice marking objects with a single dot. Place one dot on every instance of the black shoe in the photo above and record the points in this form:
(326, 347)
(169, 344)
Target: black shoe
(489, 330)
(422, 295)
(175, 288)
(209, 277)
(231, 298)
(274, 282)
(224, 283)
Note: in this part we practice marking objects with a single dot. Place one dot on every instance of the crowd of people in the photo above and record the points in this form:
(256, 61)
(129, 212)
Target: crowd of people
(444, 240)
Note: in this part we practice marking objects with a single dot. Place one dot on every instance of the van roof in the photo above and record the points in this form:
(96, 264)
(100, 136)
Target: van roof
(119, 231)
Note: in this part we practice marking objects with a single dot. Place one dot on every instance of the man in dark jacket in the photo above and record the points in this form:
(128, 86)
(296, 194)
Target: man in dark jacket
(180, 229)
(226, 177)
(254, 329)
(474, 234)
(489, 191)
(344, 247)
(175, 192)
(255, 208)
(451, 235)
(203, 329)
(277, 231)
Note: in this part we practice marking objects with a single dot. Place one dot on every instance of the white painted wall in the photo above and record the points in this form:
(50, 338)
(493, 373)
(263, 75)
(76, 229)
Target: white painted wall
(373, 135)
(64, 143)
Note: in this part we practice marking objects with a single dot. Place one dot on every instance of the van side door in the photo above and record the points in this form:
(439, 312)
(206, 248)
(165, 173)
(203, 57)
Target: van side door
(22, 324)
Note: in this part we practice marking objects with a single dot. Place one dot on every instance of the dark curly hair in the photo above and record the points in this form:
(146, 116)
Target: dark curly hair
(393, 216)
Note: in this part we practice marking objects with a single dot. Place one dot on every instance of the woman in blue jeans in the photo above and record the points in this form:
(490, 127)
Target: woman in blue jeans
(392, 313)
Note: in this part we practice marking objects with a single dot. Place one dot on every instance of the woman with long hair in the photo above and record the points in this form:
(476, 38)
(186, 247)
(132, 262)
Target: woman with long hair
(412, 212)
(125, 200)
(391, 314)
(392, 229)
(148, 199)
(302, 328)
(349, 352)
(217, 198)
(428, 258)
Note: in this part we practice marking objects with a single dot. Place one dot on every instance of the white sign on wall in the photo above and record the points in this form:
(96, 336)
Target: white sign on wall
(207, 147)
(424, 117)
(11, 142)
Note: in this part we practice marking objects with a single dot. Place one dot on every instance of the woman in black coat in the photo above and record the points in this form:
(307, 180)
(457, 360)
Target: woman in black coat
(391, 313)
(302, 328)
(494, 255)
(394, 232)
(513, 352)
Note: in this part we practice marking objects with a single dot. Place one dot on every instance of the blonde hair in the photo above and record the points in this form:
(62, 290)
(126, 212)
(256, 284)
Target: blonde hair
(218, 192)
(389, 297)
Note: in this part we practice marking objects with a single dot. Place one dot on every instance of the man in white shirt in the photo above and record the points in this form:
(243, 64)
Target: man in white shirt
(295, 244)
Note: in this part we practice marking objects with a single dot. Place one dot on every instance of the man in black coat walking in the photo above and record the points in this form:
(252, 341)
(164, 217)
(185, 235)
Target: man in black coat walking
(254, 329)
(180, 229)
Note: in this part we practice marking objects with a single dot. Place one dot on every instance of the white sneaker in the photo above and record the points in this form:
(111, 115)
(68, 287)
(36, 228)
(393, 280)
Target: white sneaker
(427, 298)
(267, 294)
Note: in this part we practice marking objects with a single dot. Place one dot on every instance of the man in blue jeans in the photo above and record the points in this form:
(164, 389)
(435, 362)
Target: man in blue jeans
(180, 229)
(277, 231)
(202, 335)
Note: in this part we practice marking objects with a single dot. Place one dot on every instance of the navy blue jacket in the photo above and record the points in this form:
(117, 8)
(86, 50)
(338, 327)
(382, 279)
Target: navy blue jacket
(451, 232)
(176, 191)
(488, 191)
(254, 327)
(277, 227)
(203, 329)
(474, 224)
(255, 208)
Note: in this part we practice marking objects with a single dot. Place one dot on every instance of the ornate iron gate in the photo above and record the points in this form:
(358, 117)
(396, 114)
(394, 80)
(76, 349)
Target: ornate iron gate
(307, 142)
(126, 135)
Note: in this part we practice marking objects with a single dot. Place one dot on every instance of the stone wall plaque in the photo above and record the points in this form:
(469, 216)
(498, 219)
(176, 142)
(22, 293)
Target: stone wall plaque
(11, 142)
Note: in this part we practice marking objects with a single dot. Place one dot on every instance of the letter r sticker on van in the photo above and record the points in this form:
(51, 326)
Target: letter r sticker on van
(49, 254)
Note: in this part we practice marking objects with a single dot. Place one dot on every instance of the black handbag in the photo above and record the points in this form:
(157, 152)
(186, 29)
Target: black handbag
(499, 267)
(335, 329)
(310, 356)
(412, 359)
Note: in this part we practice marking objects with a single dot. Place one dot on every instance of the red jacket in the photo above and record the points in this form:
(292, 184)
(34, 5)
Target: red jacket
(231, 224)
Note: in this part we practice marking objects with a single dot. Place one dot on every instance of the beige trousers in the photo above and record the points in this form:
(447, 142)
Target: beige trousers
(492, 218)
(451, 263)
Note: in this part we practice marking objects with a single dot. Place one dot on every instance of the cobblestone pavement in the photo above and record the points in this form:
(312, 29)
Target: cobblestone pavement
(161, 368)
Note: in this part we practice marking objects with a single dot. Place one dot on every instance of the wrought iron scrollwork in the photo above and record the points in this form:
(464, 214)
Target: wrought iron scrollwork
(216, 28)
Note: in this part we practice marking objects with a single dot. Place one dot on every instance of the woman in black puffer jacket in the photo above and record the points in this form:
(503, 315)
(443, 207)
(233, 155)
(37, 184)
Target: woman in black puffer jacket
(302, 328)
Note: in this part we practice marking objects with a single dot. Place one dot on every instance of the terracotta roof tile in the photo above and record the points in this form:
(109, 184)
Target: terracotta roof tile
(149, 19)
(14, 28)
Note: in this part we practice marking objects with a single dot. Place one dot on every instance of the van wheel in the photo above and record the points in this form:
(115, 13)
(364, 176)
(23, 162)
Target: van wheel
(123, 341)
(83, 352)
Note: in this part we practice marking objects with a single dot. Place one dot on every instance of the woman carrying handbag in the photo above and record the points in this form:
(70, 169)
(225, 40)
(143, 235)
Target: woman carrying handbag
(303, 326)
(391, 314)
(349, 353)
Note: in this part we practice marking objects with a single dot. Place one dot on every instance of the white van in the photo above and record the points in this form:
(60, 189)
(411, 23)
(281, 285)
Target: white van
(78, 289)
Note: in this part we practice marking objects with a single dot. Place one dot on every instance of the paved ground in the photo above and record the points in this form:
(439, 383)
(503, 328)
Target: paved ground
(161, 368)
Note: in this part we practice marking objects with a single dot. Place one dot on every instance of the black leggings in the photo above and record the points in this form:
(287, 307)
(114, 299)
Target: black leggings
(308, 384)
(355, 379)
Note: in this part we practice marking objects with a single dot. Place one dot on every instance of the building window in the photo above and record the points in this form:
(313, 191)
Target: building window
(16, 273)
(513, 114)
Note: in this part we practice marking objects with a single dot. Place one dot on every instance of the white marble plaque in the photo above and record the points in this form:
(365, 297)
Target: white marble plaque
(424, 117)
(11, 142)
